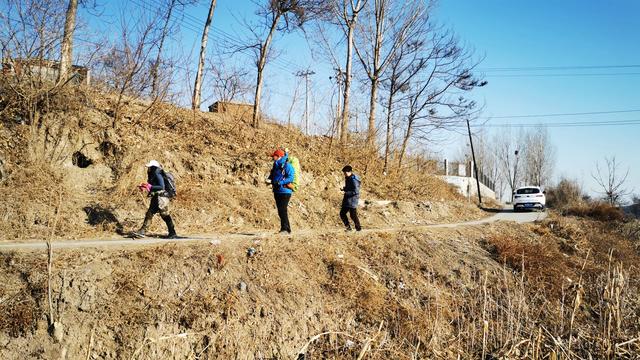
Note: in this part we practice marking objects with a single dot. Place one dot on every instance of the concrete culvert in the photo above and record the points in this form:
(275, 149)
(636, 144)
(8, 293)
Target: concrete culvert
(80, 160)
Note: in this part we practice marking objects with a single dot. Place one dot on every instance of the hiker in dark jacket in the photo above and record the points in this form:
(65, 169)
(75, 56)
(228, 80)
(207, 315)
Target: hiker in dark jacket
(160, 200)
(351, 198)
(282, 174)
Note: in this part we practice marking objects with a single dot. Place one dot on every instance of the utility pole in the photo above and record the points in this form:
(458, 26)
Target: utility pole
(475, 165)
(306, 75)
(338, 118)
(515, 174)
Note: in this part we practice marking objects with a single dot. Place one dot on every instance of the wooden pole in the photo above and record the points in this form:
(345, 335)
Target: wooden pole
(475, 165)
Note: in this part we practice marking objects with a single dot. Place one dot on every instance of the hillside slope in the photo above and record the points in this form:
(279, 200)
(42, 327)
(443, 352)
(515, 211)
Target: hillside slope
(548, 290)
(72, 156)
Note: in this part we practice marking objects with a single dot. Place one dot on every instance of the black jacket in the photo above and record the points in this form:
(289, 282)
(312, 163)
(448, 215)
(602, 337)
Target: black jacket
(154, 177)
(351, 192)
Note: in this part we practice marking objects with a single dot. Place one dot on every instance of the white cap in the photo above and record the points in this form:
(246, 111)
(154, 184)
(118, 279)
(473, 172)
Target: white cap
(153, 163)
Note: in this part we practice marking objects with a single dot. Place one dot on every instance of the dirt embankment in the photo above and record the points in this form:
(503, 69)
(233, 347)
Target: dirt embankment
(549, 290)
(78, 168)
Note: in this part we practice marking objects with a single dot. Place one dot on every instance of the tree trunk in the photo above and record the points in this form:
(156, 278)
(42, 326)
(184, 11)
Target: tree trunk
(293, 103)
(197, 87)
(405, 142)
(163, 36)
(262, 61)
(256, 102)
(387, 144)
(371, 131)
(66, 48)
(344, 125)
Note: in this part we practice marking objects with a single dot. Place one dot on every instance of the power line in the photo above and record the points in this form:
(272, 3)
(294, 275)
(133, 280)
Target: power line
(229, 37)
(561, 75)
(193, 24)
(569, 67)
(562, 114)
(566, 124)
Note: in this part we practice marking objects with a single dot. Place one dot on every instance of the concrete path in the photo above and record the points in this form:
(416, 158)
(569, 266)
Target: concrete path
(504, 215)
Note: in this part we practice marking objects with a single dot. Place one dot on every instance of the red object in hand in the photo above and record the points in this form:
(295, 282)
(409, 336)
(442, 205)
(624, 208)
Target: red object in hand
(220, 261)
(145, 186)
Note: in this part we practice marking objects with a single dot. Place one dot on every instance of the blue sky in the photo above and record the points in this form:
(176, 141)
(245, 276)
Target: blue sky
(560, 33)
(506, 34)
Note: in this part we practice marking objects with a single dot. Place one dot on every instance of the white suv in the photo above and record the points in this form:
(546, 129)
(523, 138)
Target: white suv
(529, 197)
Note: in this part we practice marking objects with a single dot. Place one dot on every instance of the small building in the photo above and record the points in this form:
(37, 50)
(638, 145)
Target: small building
(238, 110)
(43, 69)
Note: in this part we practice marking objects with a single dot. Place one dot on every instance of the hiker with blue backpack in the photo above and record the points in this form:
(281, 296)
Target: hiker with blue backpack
(351, 198)
(282, 178)
(160, 186)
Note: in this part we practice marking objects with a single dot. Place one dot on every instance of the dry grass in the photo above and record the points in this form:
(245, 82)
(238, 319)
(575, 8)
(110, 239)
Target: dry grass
(220, 164)
(540, 259)
(387, 295)
(597, 211)
(22, 294)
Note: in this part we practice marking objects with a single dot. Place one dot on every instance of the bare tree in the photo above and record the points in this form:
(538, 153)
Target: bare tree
(404, 66)
(487, 158)
(612, 182)
(294, 98)
(346, 12)
(511, 149)
(167, 26)
(539, 156)
(197, 88)
(30, 33)
(387, 27)
(277, 15)
(228, 82)
(126, 68)
(66, 48)
(434, 100)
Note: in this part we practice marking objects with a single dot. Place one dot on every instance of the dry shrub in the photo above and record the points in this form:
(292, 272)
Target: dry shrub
(566, 194)
(631, 231)
(33, 196)
(22, 293)
(18, 314)
(541, 260)
(353, 284)
(598, 211)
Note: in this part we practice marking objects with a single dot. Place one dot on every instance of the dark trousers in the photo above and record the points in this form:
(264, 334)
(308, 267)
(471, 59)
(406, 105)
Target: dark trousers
(354, 216)
(158, 204)
(282, 203)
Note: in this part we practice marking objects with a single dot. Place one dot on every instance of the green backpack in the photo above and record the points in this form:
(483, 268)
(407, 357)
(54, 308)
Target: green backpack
(295, 163)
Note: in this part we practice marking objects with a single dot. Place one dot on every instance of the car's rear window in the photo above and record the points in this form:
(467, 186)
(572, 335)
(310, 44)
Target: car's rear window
(528, 191)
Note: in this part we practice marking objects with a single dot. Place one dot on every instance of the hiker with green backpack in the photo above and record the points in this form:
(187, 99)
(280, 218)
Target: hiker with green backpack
(161, 188)
(284, 181)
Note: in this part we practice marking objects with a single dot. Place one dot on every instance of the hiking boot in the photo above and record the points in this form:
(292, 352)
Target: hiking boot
(172, 236)
(138, 234)
(349, 229)
(284, 232)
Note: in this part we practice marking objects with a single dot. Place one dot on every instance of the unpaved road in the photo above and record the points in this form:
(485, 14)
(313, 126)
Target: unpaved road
(504, 215)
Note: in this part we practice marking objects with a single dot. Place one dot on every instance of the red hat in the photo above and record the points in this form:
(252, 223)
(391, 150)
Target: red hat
(278, 153)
